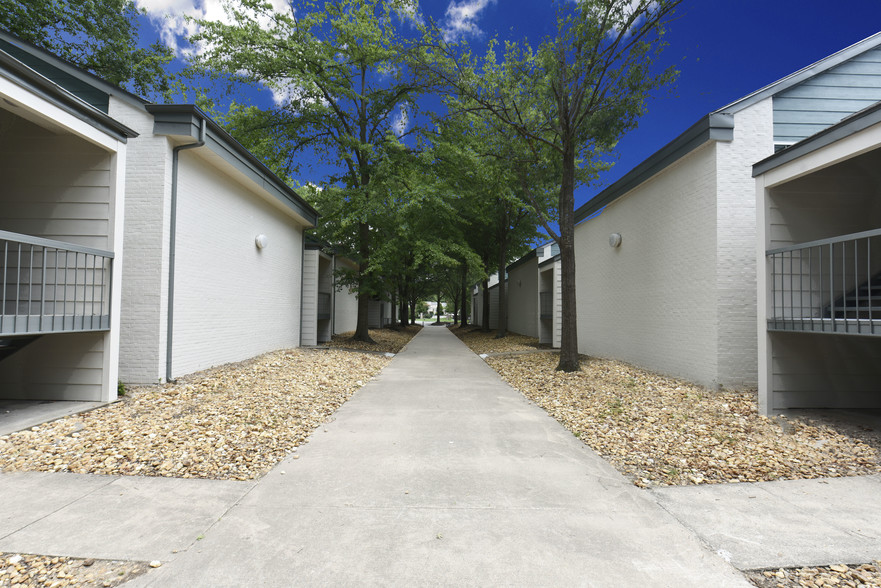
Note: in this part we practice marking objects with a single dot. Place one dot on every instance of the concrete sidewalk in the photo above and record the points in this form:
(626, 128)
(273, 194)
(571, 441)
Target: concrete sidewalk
(438, 473)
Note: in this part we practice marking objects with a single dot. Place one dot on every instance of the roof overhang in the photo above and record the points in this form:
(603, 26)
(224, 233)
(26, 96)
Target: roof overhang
(713, 127)
(21, 76)
(861, 132)
(185, 121)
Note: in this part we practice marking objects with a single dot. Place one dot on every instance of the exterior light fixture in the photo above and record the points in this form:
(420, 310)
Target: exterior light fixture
(261, 241)
(615, 240)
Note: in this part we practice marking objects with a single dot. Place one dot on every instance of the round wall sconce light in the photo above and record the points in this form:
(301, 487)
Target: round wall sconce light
(261, 241)
(615, 240)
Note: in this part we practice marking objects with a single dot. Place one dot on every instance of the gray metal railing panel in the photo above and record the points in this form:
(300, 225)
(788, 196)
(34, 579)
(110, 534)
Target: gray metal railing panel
(51, 286)
(829, 285)
(324, 307)
(546, 305)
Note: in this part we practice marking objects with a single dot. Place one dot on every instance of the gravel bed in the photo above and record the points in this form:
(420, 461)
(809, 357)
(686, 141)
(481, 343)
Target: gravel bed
(482, 342)
(660, 431)
(50, 572)
(390, 340)
(857, 576)
(233, 422)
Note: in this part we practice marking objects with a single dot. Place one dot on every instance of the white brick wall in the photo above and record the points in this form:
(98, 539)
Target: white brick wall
(736, 238)
(652, 301)
(145, 276)
(232, 300)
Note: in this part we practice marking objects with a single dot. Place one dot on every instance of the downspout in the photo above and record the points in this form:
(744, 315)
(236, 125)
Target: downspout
(172, 241)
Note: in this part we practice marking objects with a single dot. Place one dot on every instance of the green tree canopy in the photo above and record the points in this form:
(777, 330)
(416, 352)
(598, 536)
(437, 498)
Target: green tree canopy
(343, 93)
(100, 36)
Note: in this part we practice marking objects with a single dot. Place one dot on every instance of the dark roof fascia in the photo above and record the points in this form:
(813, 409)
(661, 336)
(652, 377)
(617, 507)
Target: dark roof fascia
(712, 127)
(72, 70)
(550, 260)
(26, 77)
(851, 125)
(185, 120)
(803, 74)
(521, 261)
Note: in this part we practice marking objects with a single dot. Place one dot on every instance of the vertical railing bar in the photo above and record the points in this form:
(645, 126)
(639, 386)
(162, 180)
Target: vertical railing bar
(101, 314)
(856, 279)
(30, 288)
(811, 284)
(43, 290)
(801, 291)
(832, 284)
(5, 270)
(869, 273)
(17, 290)
(774, 289)
(844, 281)
(76, 272)
(791, 290)
(109, 262)
(94, 273)
(66, 268)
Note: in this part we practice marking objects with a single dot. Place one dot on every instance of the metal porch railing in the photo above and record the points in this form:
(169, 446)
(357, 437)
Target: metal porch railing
(323, 306)
(545, 305)
(831, 285)
(51, 286)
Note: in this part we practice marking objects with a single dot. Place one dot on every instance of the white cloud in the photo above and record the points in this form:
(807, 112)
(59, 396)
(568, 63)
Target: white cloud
(401, 121)
(461, 18)
(170, 18)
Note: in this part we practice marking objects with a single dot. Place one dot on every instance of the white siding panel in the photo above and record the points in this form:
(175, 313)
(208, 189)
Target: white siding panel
(825, 99)
(310, 298)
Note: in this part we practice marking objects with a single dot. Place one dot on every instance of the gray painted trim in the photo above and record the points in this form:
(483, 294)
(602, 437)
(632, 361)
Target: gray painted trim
(521, 261)
(803, 74)
(851, 125)
(183, 120)
(72, 70)
(19, 73)
(712, 127)
(549, 261)
(53, 244)
(827, 241)
(172, 249)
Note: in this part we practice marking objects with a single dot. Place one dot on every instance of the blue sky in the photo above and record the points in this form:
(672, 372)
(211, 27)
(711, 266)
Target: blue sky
(724, 49)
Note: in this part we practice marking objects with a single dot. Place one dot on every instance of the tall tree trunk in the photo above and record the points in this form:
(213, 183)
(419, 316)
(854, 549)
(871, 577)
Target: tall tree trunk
(569, 361)
(412, 311)
(362, 329)
(484, 326)
(394, 318)
(464, 322)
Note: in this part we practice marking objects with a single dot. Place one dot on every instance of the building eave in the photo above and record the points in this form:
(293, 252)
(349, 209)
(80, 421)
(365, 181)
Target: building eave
(184, 120)
(72, 70)
(21, 74)
(851, 125)
(803, 74)
(712, 127)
